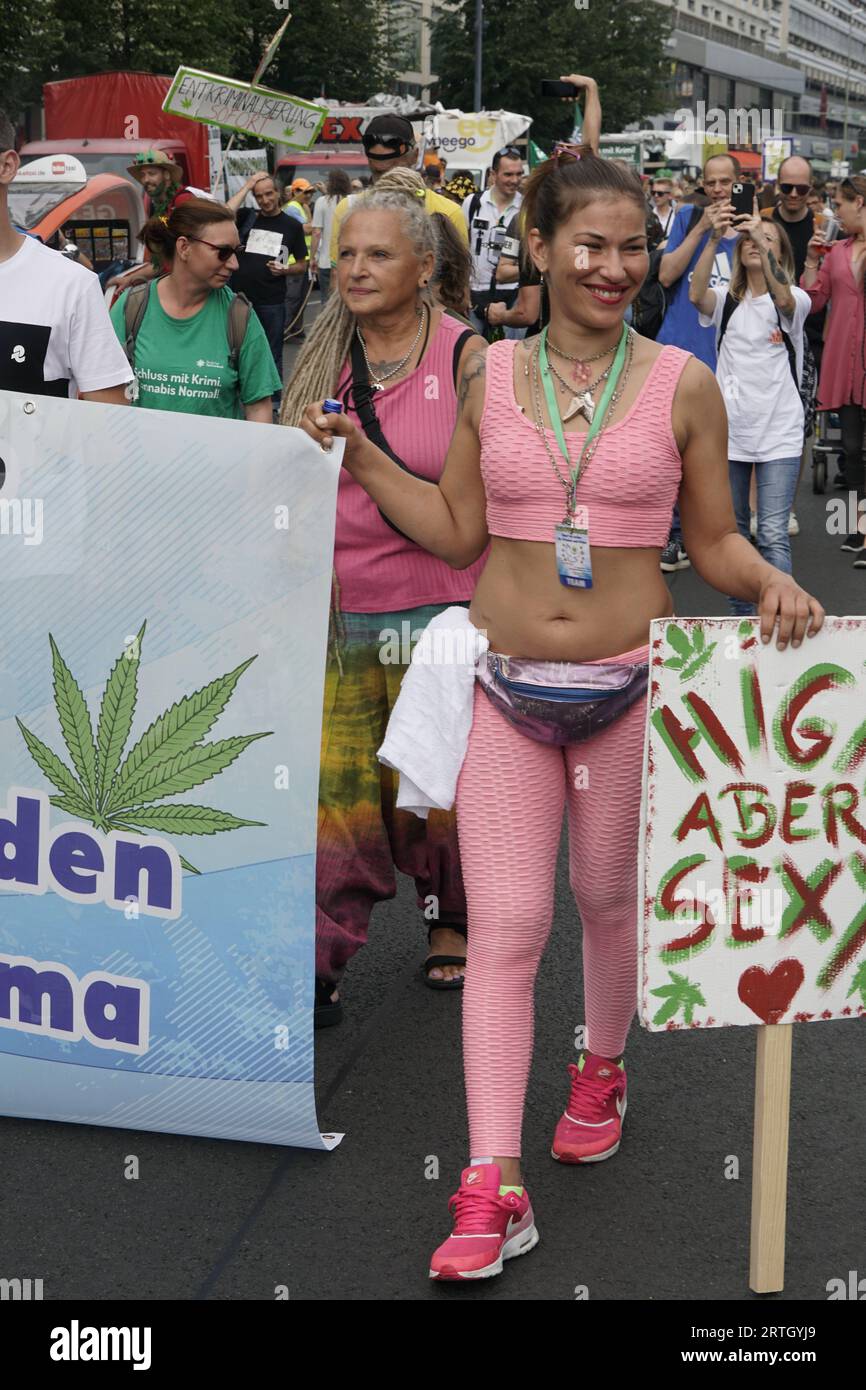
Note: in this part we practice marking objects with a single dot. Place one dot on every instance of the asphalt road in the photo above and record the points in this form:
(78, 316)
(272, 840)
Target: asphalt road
(660, 1221)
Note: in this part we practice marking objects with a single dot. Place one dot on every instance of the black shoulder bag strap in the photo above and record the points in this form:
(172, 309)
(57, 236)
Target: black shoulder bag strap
(362, 396)
(730, 306)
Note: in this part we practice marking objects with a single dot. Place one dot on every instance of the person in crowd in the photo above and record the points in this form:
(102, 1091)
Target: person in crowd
(459, 188)
(389, 143)
(792, 211)
(162, 180)
(54, 327)
(488, 215)
(450, 283)
(190, 348)
(664, 203)
(357, 186)
(837, 280)
(759, 333)
(273, 250)
(681, 328)
(338, 187)
(298, 286)
(378, 346)
(521, 456)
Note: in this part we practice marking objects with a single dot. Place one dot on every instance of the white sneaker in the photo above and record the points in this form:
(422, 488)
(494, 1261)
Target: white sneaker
(753, 524)
(793, 525)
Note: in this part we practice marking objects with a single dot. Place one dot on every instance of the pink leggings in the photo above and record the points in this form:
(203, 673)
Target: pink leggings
(510, 798)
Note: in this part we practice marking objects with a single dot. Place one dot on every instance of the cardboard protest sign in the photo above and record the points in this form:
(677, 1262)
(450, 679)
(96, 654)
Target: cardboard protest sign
(167, 582)
(753, 857)
(243, 106)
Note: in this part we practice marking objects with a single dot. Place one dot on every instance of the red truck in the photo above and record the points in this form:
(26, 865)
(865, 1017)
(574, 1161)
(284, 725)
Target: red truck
(104, 121)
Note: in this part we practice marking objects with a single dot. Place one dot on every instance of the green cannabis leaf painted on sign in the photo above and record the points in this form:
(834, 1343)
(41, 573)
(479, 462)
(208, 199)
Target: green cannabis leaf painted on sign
(679, 994)
(114, 793)
(858, 983)
(690, 656)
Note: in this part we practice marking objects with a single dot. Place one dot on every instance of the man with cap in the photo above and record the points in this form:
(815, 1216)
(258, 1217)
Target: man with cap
(162, 181)
(297, 288)
(389, 143)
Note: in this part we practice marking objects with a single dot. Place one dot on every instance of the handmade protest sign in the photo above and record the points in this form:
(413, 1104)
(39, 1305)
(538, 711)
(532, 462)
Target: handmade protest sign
(244, 106)
(160, 714)
(754, 857)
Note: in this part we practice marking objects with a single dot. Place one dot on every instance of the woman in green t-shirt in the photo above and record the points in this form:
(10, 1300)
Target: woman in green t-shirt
(190, 352)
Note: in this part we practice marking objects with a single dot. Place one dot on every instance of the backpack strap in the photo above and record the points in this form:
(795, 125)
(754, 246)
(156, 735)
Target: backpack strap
(696, 215)
(236, 327)
(459, 345)
(730, 305)
(789, 347)
(363, 398)
(134, 309)
(474, 205)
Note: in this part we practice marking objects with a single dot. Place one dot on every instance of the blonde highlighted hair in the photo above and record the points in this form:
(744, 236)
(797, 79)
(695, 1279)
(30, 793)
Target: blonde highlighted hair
(739, 279)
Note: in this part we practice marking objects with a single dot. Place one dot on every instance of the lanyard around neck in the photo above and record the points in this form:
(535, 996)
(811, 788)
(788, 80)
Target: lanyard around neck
(601, 408)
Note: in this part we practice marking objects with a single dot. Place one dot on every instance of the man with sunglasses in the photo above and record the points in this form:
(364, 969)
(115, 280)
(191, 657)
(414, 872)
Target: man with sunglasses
(389, 143)
(488, 215)
(662, 200)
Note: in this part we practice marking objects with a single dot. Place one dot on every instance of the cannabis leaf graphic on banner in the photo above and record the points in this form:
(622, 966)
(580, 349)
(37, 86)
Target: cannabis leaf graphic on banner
(690, 656)
(680, 994)
(169, 758)
(859, 983)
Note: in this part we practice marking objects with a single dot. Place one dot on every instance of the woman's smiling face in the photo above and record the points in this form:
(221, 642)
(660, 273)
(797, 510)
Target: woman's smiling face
(596, 261)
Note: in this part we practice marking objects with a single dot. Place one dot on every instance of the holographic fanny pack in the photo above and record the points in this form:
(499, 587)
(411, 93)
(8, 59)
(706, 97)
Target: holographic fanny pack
(560, 702)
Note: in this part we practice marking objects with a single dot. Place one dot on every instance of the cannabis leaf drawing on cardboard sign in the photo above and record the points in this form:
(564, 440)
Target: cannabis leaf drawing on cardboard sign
(681, 993)
(690, 657)
(170, 756)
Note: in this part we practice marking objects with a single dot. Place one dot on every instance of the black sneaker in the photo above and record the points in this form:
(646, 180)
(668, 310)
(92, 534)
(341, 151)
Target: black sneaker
(852, 542)
(683, 561)
(840, 481)
(860, 562)
(670, 557)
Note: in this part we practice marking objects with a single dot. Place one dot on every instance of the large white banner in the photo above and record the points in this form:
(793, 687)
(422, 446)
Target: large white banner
(166, 583)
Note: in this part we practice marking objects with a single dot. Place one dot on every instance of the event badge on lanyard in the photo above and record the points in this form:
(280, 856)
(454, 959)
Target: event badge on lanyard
(571, 536)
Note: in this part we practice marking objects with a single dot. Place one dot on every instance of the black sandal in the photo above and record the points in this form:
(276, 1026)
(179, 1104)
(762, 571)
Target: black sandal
(432, 962)
(327, 1011)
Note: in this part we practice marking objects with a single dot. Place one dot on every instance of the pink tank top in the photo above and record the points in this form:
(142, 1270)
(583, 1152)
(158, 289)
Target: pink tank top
(632, 480)
(380, 571)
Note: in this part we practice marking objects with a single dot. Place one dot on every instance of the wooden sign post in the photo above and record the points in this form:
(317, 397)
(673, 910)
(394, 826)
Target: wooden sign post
(753, 858)
(770, 1158)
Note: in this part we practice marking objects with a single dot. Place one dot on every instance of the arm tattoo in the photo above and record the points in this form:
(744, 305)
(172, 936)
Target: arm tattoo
(474, 369)
(778, 272)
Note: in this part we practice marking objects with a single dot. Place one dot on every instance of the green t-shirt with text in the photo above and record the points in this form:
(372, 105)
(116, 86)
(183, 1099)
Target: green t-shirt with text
(183, 364)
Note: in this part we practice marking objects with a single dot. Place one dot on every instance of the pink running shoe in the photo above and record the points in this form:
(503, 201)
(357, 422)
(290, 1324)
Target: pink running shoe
(591, 1127)
(488, 1228)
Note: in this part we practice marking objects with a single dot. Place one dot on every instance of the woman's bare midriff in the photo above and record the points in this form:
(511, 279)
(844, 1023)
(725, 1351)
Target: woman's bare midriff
(525, 611)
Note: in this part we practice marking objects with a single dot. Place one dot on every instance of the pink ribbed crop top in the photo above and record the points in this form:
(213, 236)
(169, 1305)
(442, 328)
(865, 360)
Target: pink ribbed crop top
(632, 480)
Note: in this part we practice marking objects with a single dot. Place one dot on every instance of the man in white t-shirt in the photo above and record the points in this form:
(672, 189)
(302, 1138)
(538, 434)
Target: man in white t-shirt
(56, 338)
(487, 217)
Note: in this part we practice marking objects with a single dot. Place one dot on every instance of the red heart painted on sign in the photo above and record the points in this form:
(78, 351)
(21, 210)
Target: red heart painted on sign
(768, 993)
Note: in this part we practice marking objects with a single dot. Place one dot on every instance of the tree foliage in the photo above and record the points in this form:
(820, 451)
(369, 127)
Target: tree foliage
(618, 42)
(335, 47)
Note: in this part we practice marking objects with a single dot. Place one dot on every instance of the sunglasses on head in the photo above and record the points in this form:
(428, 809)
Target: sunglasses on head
(800, 188)
(224, 253)
(508, 152)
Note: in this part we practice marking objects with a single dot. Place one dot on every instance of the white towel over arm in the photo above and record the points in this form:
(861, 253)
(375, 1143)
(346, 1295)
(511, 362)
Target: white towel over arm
(428, 731)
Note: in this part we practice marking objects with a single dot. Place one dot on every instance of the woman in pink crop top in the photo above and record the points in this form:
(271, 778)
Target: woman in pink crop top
(528, 757)
(386, 588)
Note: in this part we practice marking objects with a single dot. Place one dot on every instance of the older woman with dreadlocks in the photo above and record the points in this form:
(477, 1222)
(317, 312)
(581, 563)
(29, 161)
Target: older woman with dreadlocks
(401, 366)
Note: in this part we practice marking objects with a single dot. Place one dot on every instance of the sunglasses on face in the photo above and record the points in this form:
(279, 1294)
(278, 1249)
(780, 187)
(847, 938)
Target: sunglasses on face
(392, 143)
(801, 188)
(661, 192)
(224, 253)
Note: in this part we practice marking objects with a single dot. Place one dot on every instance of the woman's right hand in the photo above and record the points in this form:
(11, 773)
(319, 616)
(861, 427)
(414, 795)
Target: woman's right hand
(324, 428)
(814, 245)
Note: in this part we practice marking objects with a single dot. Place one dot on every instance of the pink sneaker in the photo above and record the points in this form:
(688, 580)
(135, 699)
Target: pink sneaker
(591, 1127)
(488, 1228)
